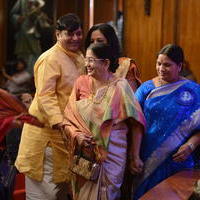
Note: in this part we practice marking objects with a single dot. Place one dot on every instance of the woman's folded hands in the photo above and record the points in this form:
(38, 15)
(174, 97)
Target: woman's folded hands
(85, 140)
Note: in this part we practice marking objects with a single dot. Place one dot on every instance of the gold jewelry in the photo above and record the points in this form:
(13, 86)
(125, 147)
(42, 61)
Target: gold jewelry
(162, 82)
(98, 95)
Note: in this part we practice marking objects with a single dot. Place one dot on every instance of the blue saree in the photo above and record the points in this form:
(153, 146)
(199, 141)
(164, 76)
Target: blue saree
(172, 113)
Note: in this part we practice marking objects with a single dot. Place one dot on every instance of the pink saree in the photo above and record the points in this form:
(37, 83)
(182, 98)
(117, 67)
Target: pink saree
(102, 115)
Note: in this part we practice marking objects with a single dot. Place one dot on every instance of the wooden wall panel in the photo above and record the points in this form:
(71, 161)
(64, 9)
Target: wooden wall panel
(188, 35)
(142, 34)
(120, 5)
(169, 25)
(104, 11)
(64, 7)
(85, 16)
(170, 21)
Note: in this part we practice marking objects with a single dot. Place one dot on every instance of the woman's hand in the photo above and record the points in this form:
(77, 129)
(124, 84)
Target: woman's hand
(183, 152)
(136, 165)
(84, 140)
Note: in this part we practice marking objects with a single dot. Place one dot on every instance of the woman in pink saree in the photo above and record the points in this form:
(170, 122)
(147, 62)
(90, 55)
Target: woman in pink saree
(102, 111)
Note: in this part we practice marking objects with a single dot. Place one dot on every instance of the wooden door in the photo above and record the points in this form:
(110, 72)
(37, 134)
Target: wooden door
(170, 21)
(188, 33)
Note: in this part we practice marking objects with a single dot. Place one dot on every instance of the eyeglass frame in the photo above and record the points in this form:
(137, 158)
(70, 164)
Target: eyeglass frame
(92, 60)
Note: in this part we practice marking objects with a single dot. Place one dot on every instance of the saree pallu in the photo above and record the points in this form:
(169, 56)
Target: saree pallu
(129, 70)
(102, 116)
(172, 113)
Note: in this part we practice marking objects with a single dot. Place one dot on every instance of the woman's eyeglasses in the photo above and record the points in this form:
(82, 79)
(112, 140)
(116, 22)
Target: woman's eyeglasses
(92, 60)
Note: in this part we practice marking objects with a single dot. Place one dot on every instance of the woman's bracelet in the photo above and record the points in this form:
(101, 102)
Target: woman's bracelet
(130, 157)
(192, 147)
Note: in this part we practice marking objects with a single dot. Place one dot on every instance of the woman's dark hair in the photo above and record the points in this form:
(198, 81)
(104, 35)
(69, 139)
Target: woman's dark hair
(105, 51)
(174, 52)
(109, 33)
(69, 22)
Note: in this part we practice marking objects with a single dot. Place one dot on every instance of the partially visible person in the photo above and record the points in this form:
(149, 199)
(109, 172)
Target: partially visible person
(105, 33)
(13, 136)
(171, 105)
(102, 115)
(27, 17)
(13, 113)
(118, 26)
(42, 156)
(20, 81)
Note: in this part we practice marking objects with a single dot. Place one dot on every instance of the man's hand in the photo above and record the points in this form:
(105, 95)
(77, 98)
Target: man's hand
(58, 126)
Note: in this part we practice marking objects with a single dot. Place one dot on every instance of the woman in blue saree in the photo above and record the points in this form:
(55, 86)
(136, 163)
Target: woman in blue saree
(171, 105)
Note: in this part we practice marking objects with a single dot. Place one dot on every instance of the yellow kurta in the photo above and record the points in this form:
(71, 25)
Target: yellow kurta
(55, 72)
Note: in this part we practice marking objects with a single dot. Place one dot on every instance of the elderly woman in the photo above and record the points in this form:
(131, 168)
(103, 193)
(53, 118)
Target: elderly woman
(102, 112)
(105, 33)
(171, 105)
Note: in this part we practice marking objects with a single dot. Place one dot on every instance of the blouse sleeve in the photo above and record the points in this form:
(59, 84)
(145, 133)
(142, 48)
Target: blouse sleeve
(143, 91)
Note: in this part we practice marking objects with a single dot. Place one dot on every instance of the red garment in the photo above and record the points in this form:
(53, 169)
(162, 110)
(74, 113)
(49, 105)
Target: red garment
(5, 126)
(10, 109)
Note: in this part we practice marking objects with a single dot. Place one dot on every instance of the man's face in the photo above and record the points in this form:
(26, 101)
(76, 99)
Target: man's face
(70, 40)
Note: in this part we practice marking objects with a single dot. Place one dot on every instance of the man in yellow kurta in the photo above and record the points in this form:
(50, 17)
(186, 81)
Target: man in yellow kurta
(42, 156)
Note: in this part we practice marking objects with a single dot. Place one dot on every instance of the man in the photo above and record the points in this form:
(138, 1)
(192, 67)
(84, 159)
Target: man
(42, 155)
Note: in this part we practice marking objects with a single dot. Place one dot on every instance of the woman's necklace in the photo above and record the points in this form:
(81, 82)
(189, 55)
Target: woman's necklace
(98, 92)
(162, 82)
